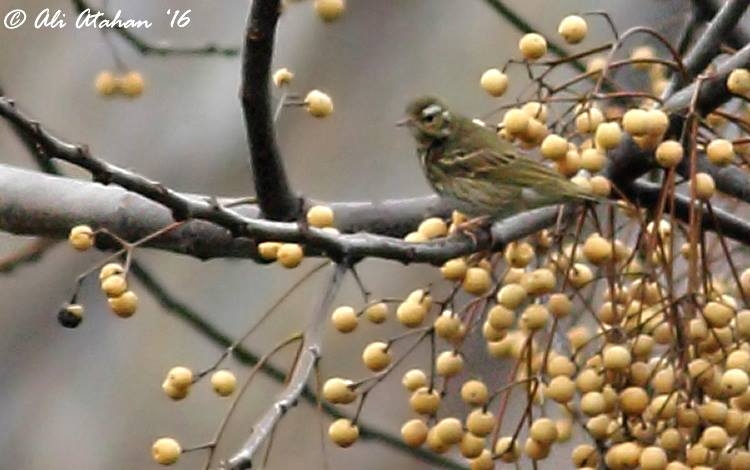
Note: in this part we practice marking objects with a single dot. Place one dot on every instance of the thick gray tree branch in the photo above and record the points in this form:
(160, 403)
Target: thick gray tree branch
(707, 45)
(275, 196)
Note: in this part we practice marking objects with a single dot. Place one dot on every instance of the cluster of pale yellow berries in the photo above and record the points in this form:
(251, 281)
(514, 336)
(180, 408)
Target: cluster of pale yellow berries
(179, 380)
(112, 277)
(290, 255)
(130, 84)
(646, 405)
(167, 450)
(533, 46)
(122, 301)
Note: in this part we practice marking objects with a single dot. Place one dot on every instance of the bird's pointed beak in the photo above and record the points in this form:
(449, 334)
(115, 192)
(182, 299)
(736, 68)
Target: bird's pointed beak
(404, 122)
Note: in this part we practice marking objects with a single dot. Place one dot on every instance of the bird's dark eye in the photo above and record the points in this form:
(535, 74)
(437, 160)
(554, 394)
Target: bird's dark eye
(430, 118)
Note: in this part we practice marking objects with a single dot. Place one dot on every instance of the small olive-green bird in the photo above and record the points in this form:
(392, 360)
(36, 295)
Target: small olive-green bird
(476, 171)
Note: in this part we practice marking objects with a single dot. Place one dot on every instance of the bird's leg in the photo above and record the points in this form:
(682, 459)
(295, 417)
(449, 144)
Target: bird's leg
(471, 226)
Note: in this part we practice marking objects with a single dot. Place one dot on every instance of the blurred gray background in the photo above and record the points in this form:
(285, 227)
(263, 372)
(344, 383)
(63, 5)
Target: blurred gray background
(90, 398)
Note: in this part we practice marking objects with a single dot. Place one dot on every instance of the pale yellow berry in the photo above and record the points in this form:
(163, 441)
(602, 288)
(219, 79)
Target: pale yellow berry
(584, 455)
(532, 46)
(573, 29)
(223, 382)
(377, 313)
(738, 82)
(593, 160)
(669, 153)
(132, 84)
(454, 269)
(477, 281)
(516, 121)
(653, 458)
(519, 254)
(343, 433)
(434, 227)
(483, 461)
(414, 379)
(589, 119)
(474, 392)
(449, 431)
(114, 286)
(338, 391)
(560, 389)
(596, 65)
(180, 377)
(175, 393)
(318, 104)
(500, 318)
(718, 314)
(559, 305)
(535, 450)
(282, 77)
(344, 319)
(411, 314)
(560, 365)
(106, 83)
(714, 437)
(449, 363)
(600, 186)
(720, 152)
(376, 356)
(535, 110)
(507, 449)
(269, 250)
(608, 135)
(166, 451)
(734, 382)
(635, 122)
(657, 122)
(597, 249)
(554, 147)
(633, 401)
(447, 325)
(289, 255)
(539, 281)
(471, 446)
(511, 296)
(543, 430)
(480, 422)
(434, 443)
(704, 186)
(639, 54)
(320, 216)
(329, 10)
(81, 237)
(535, 317)
(494, 82)
(110, 269)
(424, 401)
(593, 403)
(124, 305)
(415, 237)
(414, 432)
(616, 357)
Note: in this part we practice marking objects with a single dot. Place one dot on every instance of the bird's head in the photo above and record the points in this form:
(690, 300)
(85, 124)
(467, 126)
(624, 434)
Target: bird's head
(428, 119)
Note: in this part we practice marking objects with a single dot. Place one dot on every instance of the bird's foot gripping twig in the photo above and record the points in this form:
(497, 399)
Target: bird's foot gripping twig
(471, 227)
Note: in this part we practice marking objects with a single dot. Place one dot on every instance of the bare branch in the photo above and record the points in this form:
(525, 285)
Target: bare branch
(302, 372)
(275, 196)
